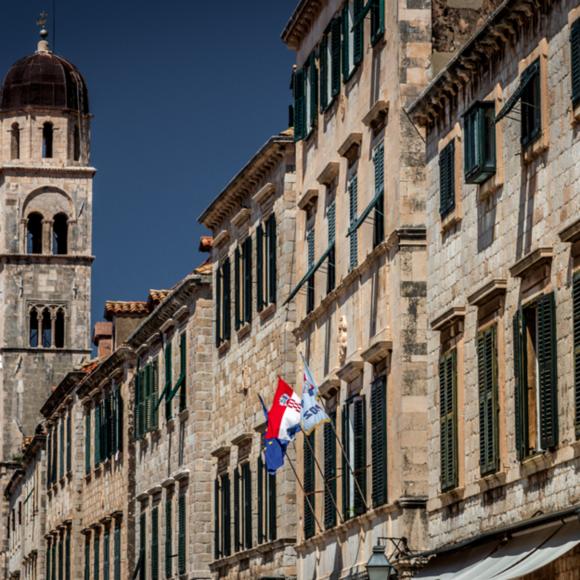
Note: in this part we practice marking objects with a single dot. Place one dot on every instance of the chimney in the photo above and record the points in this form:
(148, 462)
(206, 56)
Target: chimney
(103, 339)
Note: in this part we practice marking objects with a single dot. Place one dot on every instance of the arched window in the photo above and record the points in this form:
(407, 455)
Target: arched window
(60, 234)
(76, 143)
(34, 234)
(47, 135)
(33, 332)
(59, 329)
(46, 329)
(15, 141)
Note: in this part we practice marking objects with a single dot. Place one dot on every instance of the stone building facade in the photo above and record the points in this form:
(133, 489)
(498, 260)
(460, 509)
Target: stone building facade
(360, 277)
(253, 226)
(25, 556)
(172, 430)
(503, 202)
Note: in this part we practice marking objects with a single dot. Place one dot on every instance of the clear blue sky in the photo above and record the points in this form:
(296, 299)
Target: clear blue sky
(183, 93)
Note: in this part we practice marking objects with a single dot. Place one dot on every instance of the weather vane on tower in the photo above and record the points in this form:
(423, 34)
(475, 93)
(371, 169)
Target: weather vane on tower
(41, 23)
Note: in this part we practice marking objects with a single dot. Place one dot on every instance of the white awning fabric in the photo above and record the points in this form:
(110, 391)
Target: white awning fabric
(509, 559)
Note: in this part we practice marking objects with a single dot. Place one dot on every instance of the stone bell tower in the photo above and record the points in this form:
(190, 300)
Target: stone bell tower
(45, 236)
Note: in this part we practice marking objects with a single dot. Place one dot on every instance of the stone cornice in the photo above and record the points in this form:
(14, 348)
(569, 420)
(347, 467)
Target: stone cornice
(245, 181)
(531, 261)
(488, 291)
(448, 318)
(105, 369)
(300, 22)
(70, 381)
(72, 259)
(47, 170)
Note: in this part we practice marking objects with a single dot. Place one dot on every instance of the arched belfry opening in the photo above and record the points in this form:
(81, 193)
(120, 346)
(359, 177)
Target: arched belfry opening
(34, 233)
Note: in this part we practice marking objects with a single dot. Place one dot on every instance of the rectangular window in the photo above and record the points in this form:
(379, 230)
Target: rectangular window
(266, 263)
(488, 401)
(181, 533)
(379, 440)
(576, 323)
(330, 64)
(168, 361)
(531, 128)
(352, 187)
(479, 135)
(352, 37)
(142, 540)
(225, 517)
(354, 480)
(117, 541)
(243, 283)
(331, 222)
(246, 492)
(379, 221)
(155, 543)
(67, 568)
(310, 283)
(299, 105)
(87, 560)
(106, 555)
(216, 519)
(97, 437)
(330, 473)
(223, 302)
(447, 179)
(309, 487)
(575, 60)
(168, 537)
(448, 420)
(536, 377)
(377, 20)
(182, 384)
(69, 442)
(61, 444)
(96, 556)
(266, 504)
(310, 94)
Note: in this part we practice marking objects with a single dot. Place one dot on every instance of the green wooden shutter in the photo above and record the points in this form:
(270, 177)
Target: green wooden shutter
(360, 454)
(142, 540)
(520, 386)
(260, 471)
(106, 555)
(329, 474)
(547, 367)
(61, 448)
(88, 441)
(138, 395)
(154, 394)
(218, 306)
(168, 378)
(119, 418)
(377, 20)
(323, 52)
(69, 441)
(379, 441)
(67, 568)
(488, 401)
(96, 557)
(117, 561)
(309, 483)
(155, 543)
(358, 32)
(147, 411)
(247, 481)
(60, 557)
(310, 243)
(248, 280)
(272, 518)
(575, 61)
(576, 323)
(331, 222)
(272, 249)
(260, 268)
(447, 179)
(237, 288)
(181, 533)
(183, 371)
(237, 543)
(346, 511)
(87, 560)
(379, 222)
(227, 300)
(97, 434)
(448, 420)
(313, 105)
(226, 519)
(217, 552)
(169, 538)
(299, 105)
(346, 24)
(336, 29)
(54, 554)
(353, 207)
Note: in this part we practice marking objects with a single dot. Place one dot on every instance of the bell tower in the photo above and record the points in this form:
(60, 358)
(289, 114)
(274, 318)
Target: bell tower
(46, 183)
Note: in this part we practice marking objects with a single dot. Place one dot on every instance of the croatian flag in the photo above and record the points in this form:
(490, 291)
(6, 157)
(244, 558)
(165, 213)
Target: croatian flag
(284, 415)
(313, 412)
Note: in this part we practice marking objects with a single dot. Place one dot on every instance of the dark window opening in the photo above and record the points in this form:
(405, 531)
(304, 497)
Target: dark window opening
(59, 329)
(531, 105)
(47, 139)
(479, 154)
(15, 141)
(76, 143)
(46, 328)
(60, 234)
(33, 336)
(34, 234)
(447, 179)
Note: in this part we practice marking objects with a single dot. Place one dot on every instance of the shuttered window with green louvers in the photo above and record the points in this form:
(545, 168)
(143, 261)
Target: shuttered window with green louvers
(520, 386)
(330, 473)
(576, 323)
(168, 361)
(223, 313)
(448, 420)
(61, 444)
(479, 137)
(447, 179)
(379, 440)
(54, 562)
(169, 537)
(335, 43)
(331, 272)
(531, 105)
(106, 555)
(155, 543)
(352, 37)
(309, 486)
(261, 268)
(225, 523)
(298, 87)
(379, 221)
(247, 494)
(181, 534)
(117, 542)
(96, 557)
(575, 61)
(182, 383)
(325, 72)
(310, 95)
(354, 480)
(97, 434)
(310, 290)
(260, 476)
(217, 552)
(488, 401)
(87, 441)
(377, 20)
(266, 263)
(272, 249)
(60, 562)
(87, 560)
(67, 566)
(69, 441)
(237, 511)
(353, 209)
(247, 248)
(142, 550)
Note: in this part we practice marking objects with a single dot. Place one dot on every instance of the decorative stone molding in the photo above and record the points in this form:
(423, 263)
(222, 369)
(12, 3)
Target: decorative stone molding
(168, 482)
(571, 232)
(221, 238)
(329, 385)
(241, 217)
(350, 148)
(181, 476)
(449, 317)
(377, 351)
(352, 368)
(308, 199)
(488, 291)
(242, 439)
(264, 193)
(377, 115)
(221, 451)
(329, 173)
(531, 261)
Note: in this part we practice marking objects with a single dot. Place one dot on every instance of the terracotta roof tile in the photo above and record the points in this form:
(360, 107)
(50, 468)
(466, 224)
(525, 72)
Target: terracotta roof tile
(157, 296)
(121, 307)
(205, 268)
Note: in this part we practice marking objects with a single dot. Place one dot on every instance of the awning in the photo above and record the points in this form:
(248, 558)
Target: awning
(506, 559)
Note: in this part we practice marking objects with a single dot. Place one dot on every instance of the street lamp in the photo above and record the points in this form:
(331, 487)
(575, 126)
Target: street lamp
(379, 567)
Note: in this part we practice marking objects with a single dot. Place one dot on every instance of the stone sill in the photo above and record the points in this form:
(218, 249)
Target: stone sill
(183, 415)
(223, 347)
(535, 149)
(243, 331)
(486, 189)
(265, 548)
(449, 221)
(267, 311)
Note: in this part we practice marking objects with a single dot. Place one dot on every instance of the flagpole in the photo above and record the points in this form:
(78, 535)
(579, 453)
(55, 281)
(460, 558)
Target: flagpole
(302, 488)
(362, 496)
(326, 485)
